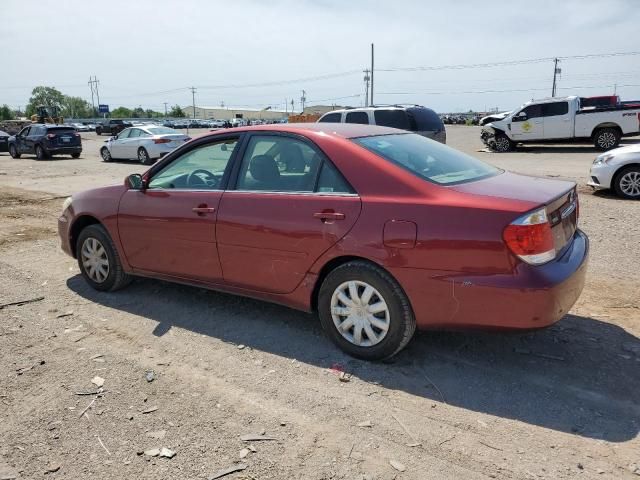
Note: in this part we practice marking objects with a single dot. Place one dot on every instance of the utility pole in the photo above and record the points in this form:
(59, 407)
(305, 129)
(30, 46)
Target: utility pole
(193, 96)
(165, 109)
(372, 104)
(303, 99)
(93, 105)
(366, 87)
(292, 106)
(556, 71)
(286, 107)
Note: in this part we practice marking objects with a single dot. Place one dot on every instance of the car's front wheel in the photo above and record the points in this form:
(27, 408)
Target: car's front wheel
(627, 183)
(503, 143)
(13, 151)
(365, 312)
(105, 154)
(99, 261)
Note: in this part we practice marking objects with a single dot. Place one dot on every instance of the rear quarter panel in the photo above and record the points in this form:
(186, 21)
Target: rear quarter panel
(627, 120)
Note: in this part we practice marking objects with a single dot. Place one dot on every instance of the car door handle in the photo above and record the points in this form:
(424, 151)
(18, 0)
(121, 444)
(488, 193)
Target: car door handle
(202, 210)
(329, 216)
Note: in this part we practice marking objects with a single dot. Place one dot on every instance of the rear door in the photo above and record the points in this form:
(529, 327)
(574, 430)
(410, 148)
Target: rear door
(557, 120)
(279, 220)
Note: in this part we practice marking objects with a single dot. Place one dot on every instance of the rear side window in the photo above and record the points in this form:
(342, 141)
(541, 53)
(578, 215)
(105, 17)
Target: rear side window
(331, 118)
(331, 181)
(392, 118)
(357, 117)
(556, 108)
(424, 120)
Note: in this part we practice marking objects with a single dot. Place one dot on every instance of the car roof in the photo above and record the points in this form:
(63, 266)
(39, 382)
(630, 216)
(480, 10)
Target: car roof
(344, 130)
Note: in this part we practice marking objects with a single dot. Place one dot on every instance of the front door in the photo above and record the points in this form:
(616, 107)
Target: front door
(557, 121)
(169, 227)
(116, 146)
(21, 140)
(527, 124)
(289, 206)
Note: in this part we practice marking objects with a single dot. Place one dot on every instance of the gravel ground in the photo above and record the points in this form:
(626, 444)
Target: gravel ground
(559, 403)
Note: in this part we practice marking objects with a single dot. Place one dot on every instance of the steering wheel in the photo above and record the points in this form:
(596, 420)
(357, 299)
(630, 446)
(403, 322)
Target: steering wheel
(201, 177)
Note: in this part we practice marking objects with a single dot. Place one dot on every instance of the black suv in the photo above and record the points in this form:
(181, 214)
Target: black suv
(45, 141)
(414, 118)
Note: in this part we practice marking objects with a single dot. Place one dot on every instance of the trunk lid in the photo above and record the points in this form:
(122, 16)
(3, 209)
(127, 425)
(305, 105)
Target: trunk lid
(559, 197)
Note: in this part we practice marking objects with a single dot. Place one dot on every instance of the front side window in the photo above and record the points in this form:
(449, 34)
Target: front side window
(24, 132)
(427, 159)
(533, 111)
(331, 118)
(124, 134)
(392, 118)
(357, 117)
(556, 108)
(199, 169)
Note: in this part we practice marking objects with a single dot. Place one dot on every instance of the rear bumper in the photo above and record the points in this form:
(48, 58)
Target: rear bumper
(529, 298)
(64, 150)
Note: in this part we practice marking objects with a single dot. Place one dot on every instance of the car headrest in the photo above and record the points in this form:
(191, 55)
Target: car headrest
(263, 168)
(291, 156)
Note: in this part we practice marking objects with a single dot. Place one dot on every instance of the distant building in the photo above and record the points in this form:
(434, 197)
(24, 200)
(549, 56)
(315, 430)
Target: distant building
(320, 109)
(229, 113)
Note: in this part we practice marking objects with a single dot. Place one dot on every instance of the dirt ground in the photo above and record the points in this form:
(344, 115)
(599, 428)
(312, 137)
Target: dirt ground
(559, 403)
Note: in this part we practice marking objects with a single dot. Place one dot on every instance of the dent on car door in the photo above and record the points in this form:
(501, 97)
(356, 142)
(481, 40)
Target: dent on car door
(289, 206)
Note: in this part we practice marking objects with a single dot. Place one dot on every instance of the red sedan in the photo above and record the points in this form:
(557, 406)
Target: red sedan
(378, 230)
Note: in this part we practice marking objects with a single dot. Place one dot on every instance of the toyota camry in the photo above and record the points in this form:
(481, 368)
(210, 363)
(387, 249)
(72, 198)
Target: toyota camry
(378, 230)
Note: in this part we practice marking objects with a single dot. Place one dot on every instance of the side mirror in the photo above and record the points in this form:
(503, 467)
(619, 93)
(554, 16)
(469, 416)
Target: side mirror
(134, 182)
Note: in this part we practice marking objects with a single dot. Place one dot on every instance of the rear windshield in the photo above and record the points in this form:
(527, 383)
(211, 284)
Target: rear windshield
(60, 130)
(425, 120)
(427, 159)
(161, 130)
(392, 118)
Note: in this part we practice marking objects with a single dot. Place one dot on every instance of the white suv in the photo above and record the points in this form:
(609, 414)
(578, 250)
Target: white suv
(421, 120)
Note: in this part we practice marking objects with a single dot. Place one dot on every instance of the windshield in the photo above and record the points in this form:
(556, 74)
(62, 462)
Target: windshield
(161, 130)
(427, 159)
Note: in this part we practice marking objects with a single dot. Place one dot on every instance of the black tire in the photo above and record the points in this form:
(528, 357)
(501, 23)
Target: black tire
(99, 131)
(41, 154)
(606, 138)
(105, 154)
(143, 156)
(116, 278)
(503, 144)
(401, 320)
(75, 155)
(13, 151)
(626, 183)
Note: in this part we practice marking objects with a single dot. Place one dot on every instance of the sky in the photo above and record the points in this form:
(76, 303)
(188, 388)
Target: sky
(263, 53)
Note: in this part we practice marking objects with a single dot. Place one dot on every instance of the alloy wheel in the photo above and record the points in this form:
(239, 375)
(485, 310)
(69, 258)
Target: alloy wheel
(143, 156)
(607, 140)
(106, 156)
(95, 260)
(360, 313)
(503, 144)
(630, 184)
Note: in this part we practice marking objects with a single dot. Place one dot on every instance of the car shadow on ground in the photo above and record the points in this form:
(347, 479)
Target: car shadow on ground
(577, 148)
(580, 376)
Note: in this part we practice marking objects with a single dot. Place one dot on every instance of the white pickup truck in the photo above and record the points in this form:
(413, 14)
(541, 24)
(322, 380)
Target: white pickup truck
(557, 120)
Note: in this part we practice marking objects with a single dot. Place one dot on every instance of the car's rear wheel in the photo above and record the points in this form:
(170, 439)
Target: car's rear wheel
(503, 143)
(627, 183)
(365, 311)
(40, 153)
(105, 154)
(75, 155)
(606, 139)
(99, 261)
(143, 156)
(13, 151)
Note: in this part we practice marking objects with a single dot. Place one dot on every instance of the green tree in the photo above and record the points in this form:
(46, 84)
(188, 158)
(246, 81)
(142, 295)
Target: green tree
(137, 112)
(47, 96)
(176, 112)
(150, 113)
(76, 107)
(5, 113)
(121, 112)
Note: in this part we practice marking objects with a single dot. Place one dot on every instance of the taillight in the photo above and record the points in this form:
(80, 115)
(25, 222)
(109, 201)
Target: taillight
(530, 239)
(161, 140)
(51, 136)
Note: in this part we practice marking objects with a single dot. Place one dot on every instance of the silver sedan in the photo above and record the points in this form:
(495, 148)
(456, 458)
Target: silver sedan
(618, 169)
(144, 143)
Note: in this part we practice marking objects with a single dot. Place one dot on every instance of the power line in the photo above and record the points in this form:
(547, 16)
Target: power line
(506, 90)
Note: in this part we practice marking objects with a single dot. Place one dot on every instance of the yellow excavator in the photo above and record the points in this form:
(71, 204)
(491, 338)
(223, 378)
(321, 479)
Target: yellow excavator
(46, 114)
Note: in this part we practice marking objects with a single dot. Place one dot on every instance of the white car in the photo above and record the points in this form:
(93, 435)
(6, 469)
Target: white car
(146, 144)
(618, 169)
(79, 127)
